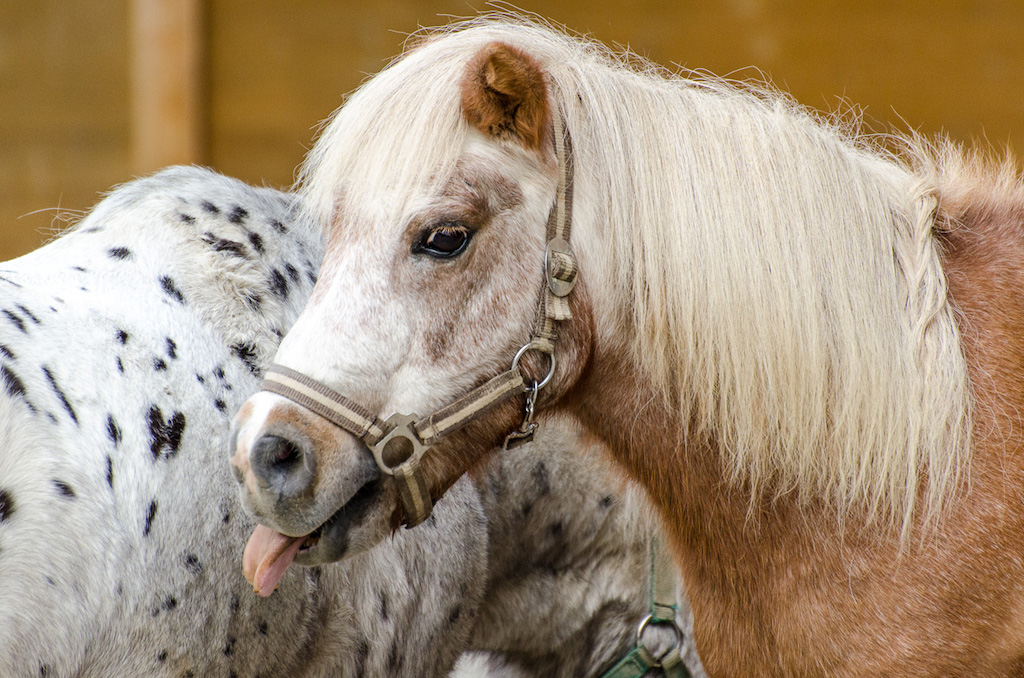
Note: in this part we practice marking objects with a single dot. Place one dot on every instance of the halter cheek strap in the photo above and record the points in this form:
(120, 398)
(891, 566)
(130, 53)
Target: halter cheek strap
(399, 443)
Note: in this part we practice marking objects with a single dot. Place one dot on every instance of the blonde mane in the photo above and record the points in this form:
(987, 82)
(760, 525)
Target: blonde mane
(780, 273)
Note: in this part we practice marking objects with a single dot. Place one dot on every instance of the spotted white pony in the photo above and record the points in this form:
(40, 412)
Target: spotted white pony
(125, 346)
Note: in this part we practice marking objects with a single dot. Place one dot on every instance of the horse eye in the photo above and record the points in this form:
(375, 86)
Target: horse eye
(443, 241)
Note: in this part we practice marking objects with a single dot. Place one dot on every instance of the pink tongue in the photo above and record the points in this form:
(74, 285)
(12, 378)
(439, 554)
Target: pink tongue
(267, 557)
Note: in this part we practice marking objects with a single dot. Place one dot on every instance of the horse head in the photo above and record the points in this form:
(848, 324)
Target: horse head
(436, 182)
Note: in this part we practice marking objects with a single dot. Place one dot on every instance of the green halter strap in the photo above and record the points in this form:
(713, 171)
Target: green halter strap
(663, 609)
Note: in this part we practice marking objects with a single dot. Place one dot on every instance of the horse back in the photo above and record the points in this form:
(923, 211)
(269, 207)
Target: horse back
(980, 228)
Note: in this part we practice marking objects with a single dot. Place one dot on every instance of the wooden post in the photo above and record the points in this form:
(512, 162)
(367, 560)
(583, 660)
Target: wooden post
(167, 84)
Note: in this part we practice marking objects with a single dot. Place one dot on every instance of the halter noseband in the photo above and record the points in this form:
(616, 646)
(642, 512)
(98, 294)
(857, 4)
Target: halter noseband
(403, 438)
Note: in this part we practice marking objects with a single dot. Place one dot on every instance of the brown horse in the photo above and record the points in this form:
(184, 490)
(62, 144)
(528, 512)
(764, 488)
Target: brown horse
(803, 347)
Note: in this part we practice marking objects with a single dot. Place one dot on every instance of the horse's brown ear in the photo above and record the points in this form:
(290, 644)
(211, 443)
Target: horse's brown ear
(504, 93)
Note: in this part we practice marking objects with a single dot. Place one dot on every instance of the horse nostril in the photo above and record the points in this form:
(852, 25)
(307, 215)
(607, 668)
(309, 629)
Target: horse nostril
(274, 453)
(282, 465)
(287, 452)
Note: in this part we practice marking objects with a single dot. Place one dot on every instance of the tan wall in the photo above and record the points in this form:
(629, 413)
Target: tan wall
(274, 68)
(63, 112)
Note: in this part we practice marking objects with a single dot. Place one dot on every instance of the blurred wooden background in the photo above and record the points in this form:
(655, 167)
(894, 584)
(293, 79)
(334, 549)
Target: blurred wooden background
(94, 92)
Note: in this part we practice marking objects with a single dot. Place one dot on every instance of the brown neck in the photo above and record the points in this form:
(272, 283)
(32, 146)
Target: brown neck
(738, 562)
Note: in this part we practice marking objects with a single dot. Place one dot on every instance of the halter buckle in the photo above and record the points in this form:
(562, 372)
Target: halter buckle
(401, 444)
(560, 267)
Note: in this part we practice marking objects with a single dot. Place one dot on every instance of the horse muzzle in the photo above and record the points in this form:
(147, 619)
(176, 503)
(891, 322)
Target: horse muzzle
(302, 476)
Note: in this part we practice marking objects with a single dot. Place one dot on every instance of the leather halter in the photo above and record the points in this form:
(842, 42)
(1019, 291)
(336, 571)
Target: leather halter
(404, 438)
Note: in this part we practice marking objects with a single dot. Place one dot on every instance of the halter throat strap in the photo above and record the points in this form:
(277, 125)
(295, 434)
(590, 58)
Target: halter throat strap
(399, 443)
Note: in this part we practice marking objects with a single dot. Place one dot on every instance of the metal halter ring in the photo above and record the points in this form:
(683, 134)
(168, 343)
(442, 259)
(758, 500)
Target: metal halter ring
(535, 347)
(643, 625)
